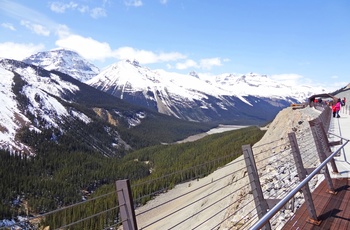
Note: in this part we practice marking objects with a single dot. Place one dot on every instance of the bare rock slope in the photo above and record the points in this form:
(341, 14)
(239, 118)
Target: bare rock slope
(234, 201)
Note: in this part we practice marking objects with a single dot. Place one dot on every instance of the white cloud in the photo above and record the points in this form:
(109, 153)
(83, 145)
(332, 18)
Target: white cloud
(98, 13)
(145, 56)
(205, 64)
(8, 26)
(290, 79)
(19, 51)
(34, 20)
(94, 50)
(163, 2)
(187, 64)
(87, 47)
(208, 63)
(36, 28)
(62, 31)
(83, 9)
(60, 7)
(135, 3)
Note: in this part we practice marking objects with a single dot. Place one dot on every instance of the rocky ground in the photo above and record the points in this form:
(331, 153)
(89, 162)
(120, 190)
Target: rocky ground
(271, 147)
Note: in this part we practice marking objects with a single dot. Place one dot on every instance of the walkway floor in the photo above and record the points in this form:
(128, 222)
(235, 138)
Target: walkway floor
(341, 127)
(332, 210)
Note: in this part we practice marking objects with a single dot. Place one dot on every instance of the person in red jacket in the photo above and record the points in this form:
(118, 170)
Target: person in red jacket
(337, 107)
(333, 109)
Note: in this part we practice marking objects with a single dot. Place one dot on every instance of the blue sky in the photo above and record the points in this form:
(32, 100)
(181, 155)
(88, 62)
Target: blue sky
(303, 41)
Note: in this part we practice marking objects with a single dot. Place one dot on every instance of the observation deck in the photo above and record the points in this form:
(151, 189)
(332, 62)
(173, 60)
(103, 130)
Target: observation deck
(333, 210)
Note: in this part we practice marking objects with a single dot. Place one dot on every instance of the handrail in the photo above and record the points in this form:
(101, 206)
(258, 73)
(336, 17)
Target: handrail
(283, 201)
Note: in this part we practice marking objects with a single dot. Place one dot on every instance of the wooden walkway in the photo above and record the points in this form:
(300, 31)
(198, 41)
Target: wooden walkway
(332, 210)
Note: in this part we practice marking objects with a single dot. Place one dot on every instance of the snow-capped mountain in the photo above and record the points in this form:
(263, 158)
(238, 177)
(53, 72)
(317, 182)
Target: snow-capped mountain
(50, 105)
(34, 98)
(65, 61)
(198, 97)
(195, 97)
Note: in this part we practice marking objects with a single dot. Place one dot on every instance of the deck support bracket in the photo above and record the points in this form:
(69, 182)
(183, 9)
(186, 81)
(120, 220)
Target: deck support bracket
(314, 222)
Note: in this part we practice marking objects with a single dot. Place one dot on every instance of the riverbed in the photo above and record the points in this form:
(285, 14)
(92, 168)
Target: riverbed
(219, 129)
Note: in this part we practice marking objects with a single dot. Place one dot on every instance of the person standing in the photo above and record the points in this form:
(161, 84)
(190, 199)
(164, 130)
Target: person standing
(337, 107)
(333, 109)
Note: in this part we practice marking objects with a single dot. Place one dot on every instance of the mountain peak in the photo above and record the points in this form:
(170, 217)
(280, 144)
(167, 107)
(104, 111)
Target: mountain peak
(65, 61)
(134, 63)
(194, 74)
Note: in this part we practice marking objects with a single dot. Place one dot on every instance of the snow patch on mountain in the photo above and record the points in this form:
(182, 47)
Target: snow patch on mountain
(11, 118)
(44, 92)
(258, 85)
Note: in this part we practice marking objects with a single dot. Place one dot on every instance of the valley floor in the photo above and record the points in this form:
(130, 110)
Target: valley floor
(219, 129)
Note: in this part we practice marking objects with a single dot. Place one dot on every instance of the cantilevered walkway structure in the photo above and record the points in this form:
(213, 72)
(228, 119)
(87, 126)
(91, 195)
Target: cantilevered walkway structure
(332, 209)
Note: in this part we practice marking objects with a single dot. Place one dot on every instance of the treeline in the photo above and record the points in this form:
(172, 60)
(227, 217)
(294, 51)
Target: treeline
(173, 164)
(59, 176)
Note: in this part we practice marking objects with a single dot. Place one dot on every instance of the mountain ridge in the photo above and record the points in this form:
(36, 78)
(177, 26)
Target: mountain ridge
(38, 101)
(199, 97)
(226, 98)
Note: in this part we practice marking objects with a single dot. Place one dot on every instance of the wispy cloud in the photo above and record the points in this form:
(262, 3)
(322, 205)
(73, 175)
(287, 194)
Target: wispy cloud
(289, 79)
(97, 12)
(204, 64)
(19, 51)
(8, 26)
(33, 20)
(208, 63)
(187, 64)
(60, 7)
(135, 3)
(36, 28)
(163, 2)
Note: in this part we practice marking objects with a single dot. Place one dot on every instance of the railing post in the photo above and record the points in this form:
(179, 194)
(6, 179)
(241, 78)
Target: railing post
(302, 175)
(321, 141)
(126, 205)
(260, 202)
(325, 117)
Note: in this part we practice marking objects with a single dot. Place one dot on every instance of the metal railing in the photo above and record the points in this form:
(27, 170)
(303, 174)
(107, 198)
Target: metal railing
(270, 194)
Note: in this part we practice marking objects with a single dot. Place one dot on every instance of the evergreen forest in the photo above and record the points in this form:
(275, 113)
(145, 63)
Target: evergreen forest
(64, 174)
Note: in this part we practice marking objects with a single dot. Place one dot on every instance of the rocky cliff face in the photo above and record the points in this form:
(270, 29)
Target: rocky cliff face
(275, 164)
(225, 196)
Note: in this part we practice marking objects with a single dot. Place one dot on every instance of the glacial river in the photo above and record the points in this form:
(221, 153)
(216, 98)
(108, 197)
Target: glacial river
(219, 129)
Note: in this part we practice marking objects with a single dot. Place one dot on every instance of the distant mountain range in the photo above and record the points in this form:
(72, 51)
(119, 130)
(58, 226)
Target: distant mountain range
(40, 106)
(58, 92)
(225, 98)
